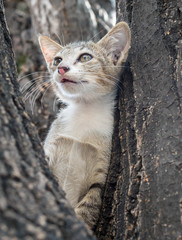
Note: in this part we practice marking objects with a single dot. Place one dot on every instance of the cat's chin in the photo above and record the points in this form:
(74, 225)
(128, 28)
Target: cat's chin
(69, 89)
(69, 86)
(78, 91)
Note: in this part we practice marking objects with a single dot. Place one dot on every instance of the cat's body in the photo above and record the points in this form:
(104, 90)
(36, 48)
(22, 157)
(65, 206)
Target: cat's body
(83, 149)
(78, 144)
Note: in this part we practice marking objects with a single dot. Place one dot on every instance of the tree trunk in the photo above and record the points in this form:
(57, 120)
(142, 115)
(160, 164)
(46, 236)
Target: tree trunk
(31, 205)
(145, 175)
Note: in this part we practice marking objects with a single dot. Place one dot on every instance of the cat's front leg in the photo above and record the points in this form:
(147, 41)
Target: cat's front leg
(57, 156)
(50, 151)
(88, 208)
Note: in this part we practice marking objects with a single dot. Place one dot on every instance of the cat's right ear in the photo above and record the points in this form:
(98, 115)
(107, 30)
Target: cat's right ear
(49, 48)
(116, 43)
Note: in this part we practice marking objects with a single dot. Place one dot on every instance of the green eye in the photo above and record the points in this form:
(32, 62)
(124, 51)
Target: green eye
(57, 61)
(85, 58)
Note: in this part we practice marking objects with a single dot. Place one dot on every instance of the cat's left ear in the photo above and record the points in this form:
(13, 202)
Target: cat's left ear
(49, 48)
(117, 42)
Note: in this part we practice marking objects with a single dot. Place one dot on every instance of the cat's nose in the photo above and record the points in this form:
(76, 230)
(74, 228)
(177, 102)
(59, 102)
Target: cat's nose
(62, 70)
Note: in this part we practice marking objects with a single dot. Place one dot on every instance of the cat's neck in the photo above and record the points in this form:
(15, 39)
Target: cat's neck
(96, 107)
(102, 101)
(82, 118)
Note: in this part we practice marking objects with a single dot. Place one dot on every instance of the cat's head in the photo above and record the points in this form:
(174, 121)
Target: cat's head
(87, 70)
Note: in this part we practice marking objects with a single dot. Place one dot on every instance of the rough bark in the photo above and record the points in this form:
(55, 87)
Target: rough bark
(31, 205)
(146, 168)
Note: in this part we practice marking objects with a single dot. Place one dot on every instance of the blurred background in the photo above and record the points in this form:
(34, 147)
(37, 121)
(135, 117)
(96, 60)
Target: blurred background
(64, 21)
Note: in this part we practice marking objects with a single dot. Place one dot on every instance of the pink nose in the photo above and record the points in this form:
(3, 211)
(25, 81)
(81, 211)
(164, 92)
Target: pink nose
(62, 70)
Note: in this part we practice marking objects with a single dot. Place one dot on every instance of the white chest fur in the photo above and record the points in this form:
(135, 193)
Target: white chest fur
(84, 119)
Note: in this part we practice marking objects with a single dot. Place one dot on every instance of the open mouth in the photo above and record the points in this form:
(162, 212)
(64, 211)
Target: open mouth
(65, 80)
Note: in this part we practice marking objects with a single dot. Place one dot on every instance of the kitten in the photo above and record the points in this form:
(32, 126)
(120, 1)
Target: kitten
(84, 76)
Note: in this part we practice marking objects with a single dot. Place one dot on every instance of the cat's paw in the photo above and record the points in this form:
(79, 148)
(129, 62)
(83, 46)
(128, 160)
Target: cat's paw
(86, 216)
(47, 159)
(50, 154)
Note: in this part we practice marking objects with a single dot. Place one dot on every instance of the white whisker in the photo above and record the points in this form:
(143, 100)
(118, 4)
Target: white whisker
(31, 83)
(34, 98)
(45, 93)
(96, 34)
(45, 72)
(54, 104)
(27, 95)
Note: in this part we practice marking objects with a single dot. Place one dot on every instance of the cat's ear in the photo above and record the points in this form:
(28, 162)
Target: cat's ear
(116, 42)
(49, 48)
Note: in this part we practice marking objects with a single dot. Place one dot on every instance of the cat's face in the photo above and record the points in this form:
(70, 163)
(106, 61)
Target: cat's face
(87, 70)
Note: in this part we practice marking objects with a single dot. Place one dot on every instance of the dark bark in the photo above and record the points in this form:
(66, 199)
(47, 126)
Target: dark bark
(31, 205)
(146, 168)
